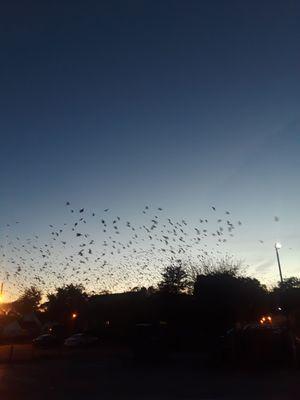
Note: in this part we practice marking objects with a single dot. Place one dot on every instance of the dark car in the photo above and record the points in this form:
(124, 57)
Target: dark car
(46, 341)
(80, 340)
(150, 342)
(257, 344)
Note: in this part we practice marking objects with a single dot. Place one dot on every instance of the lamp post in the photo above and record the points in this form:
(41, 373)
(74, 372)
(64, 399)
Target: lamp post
(286, 314)
(1, 292)
(277, 247)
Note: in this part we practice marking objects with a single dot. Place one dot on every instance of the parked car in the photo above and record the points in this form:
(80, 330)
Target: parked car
(150, 342)
(261, 343)
(46, 341)
(80, 340)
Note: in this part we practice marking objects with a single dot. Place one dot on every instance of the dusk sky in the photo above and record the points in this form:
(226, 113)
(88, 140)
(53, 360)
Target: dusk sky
(182, 105)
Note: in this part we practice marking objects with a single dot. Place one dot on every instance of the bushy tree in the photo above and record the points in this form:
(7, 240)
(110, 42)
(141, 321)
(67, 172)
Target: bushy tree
(226, 297)
(65, 301)
(289, 283)
(174, 279)
(287, 295)
(29, 301)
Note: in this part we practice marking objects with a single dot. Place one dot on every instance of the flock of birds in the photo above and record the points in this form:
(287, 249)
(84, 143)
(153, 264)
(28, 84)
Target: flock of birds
(105, 252)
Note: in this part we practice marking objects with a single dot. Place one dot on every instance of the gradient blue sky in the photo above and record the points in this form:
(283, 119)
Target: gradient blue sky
(181, 104)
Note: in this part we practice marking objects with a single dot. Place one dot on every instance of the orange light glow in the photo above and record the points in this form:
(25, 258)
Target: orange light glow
(266, 319)
(74, 315)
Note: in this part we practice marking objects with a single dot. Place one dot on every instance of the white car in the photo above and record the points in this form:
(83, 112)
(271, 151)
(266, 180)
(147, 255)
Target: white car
(80, 339)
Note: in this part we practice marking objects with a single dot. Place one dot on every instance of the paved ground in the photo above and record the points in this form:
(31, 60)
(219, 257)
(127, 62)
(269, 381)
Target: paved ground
(111, 377)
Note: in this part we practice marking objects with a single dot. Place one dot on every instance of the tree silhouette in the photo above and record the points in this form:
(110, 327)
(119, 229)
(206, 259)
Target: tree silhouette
(287, 296)
(29, 301)
(174, 279)
(68, 300)
(289, 283)
(225, 298)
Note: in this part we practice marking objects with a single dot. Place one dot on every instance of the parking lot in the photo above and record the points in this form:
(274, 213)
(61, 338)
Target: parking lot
(112, 374)
(22, 353)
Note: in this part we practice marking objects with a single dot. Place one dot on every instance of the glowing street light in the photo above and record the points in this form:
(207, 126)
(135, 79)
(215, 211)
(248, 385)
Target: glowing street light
(74, 315)
(277, 248)
(266, 320)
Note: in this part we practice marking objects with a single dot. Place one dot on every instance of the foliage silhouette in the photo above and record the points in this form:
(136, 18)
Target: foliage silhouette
(174, 279)
(68, 300)
(29, 301)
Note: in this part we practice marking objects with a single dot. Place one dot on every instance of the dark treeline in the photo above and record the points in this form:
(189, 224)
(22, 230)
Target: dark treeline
(195, 304)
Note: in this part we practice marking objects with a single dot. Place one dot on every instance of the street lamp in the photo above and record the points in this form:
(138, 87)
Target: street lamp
(277, 248)
(1, 292)
(74, 315)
